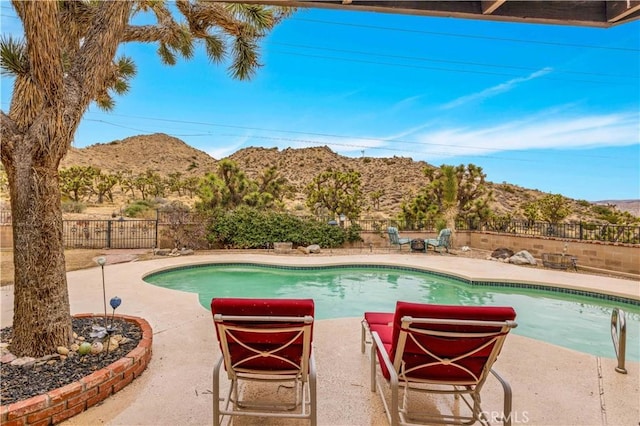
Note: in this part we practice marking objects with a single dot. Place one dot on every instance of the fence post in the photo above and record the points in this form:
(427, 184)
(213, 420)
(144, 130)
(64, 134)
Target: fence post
(581, 230)
(155, 245)
(109, 234)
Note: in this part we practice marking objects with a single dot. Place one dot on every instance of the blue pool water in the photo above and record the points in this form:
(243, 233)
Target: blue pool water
(573, 321)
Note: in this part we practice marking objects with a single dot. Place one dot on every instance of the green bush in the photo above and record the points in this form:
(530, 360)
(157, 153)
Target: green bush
(139, 208)
(246, 227)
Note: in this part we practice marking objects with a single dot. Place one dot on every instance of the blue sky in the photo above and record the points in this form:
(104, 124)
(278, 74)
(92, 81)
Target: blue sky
(554, 108)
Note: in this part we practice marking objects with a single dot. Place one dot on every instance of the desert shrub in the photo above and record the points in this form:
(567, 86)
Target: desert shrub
(352, 233)
(140, 209)
(184, 227)
(73, 207)
(508, 188)
(246, 227)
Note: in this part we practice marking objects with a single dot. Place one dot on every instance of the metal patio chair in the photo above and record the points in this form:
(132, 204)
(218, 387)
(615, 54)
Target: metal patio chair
(395, 239)
(436, 349)
(443, 241)
(267, 341)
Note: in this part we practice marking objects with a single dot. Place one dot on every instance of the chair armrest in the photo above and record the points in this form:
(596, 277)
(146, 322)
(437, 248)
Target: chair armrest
(392, 411)
(385, 357)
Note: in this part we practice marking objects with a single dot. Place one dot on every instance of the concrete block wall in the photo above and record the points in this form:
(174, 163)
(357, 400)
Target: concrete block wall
(623, 258)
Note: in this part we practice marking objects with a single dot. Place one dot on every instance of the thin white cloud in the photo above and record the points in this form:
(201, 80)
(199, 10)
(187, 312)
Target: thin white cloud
(552, 128)
(495, 90)
(403, 104)
(590, 131)
(219, 152)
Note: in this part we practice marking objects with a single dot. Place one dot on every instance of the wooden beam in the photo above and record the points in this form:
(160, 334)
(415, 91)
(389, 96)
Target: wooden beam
(488, 7)
(593, 13)
(616, 10)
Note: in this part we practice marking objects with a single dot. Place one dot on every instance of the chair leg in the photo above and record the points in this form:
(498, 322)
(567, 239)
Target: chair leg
(216, 393)
(313, 412)
(506, 387)
(373, 365)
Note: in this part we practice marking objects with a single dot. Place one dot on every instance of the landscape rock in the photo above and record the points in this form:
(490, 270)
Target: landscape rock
(112, 345)
(7, 358)
(522, 257)
(62, 350)
(186, 252)
(25, 361)
(304, 250)
(314, 248)
(502, 253)
(162, 252)
(96, 348)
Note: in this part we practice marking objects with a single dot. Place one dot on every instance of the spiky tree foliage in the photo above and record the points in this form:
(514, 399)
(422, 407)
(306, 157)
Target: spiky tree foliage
(103, 184)
(66, 61)
(225, 189)
(375, 197)
(76, 182)
(553, 208)
(452, 192)
(338, 192)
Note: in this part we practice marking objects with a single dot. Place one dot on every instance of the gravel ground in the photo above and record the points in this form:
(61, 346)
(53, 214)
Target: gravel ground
(20, 383)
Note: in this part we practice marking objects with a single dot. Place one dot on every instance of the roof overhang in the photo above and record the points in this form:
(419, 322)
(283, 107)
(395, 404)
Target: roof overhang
(592, 13)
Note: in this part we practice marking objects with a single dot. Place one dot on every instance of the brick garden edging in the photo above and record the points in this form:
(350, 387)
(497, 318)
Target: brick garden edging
(60, 404)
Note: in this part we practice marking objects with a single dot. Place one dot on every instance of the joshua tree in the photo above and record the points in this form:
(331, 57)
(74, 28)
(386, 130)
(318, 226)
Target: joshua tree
(66, 61)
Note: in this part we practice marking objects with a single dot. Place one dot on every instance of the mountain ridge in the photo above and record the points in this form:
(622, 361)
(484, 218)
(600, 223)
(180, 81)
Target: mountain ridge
(399, 178)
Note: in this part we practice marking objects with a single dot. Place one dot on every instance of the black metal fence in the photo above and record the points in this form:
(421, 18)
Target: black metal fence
(119, 233)
(579, 231)
(110, 233)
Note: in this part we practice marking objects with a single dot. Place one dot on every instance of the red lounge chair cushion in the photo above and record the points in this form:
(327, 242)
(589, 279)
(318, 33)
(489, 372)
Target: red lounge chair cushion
(264, 342)
(378, 318)
(446, 347)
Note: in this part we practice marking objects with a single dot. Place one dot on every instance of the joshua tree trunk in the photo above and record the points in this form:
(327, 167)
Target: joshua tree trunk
(46, 108)
(42, 318)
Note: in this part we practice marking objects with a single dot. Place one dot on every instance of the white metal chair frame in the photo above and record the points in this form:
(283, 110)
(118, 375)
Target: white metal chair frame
(400, 377)
(302, 374)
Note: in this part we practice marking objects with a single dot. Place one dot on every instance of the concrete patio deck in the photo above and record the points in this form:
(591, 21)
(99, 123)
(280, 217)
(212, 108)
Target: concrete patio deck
(551, 385)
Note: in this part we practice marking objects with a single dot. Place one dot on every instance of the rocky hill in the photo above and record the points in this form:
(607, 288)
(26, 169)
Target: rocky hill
(159, 152)
(399, 178)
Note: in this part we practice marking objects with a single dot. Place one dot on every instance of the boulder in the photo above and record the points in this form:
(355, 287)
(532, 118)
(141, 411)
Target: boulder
(522, 257)
(303, 250)
(502, 253)
(314, 248)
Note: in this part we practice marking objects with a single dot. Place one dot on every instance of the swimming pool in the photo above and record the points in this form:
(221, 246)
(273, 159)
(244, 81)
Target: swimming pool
(573, 321)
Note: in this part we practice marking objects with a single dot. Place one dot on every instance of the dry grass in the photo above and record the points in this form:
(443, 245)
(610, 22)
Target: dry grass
(75, 259)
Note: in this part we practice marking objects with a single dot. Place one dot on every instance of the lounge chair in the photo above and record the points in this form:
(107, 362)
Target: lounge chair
(394, 237)
(443, 241)
(268, 341)
(437, 349)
